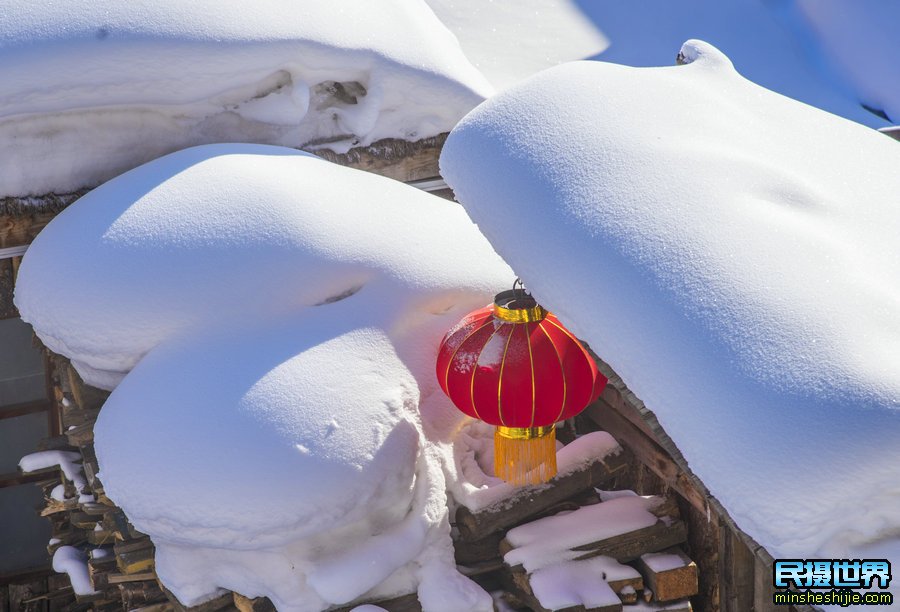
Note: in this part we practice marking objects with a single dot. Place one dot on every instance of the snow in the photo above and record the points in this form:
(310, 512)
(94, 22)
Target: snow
(580, 583)
(58, 492)
(66, 460)
(475, 485)
(71, 561)
(732, 254)
(240, 229)
(857, 45)
(92, 91)
(549, 540)
(662, 562)
(271, 439)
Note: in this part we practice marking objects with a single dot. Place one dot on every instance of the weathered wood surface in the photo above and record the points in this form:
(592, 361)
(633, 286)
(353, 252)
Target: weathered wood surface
(649, 452)
(224, 601)
(135, 557)
(478, 551)
(403, 603)
(670, 584)
(398, 159)
(136, 594)
(7, 283)
(87, 397)
(258, 604)
(534, 500)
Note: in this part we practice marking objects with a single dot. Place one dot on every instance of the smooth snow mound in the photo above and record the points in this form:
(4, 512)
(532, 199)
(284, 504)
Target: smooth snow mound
(91, 90)
(281, 315)
(733, 253)
(230, 233)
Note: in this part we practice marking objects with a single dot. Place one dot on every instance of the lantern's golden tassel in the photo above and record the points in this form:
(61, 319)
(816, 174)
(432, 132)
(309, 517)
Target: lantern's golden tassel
(525, 455)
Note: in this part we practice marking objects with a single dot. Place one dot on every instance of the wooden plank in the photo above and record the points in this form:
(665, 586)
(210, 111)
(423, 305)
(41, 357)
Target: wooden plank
(135, 557)
(50, 384)
(73, 416)
(257, 604)
(532, 501)
(20, 223)
(12, 479)
(136, 594)
(85, 396)
(738, 573)
(629, 546)
(17, 410)
(485, 549)
(219, 602)
(123, 578)
(404, 603)
(648, 452)
(91, 468)
(56, 443)
(7, 287)
(397, 159)
(763, 589)
(99, 571)
(669, 584)
(101, 538)
(165, 606)
(25, 597)
(80, 435)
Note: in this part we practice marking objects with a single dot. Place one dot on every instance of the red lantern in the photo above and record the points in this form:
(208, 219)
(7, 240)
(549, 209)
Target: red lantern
(515, 366)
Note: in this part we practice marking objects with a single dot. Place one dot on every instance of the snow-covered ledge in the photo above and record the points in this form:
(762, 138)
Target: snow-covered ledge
(93, 90)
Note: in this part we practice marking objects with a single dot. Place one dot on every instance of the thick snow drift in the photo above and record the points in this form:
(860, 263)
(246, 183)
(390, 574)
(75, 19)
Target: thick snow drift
(733, 254)
(90, 90)
(282, 316)
(235, 233)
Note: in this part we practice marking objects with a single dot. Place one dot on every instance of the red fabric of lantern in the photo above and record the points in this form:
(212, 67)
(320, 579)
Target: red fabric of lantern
(515, 366)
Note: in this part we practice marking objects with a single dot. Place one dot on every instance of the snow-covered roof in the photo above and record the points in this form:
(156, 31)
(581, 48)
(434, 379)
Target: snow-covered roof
(270, 321)
(92, 89)
(732, 254)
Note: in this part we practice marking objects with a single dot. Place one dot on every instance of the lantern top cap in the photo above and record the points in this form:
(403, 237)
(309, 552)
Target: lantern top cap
(517, 306)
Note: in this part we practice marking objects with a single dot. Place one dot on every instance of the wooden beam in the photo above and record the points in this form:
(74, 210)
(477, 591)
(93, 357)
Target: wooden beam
(398, 159)
(647, 451)
(11, 411)
(135, 557)
(12, 479)
(532, 501)
(258, 604)
(669, 582)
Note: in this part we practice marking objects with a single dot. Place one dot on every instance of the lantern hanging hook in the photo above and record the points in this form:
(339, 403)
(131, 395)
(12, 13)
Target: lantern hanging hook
(519, 286)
